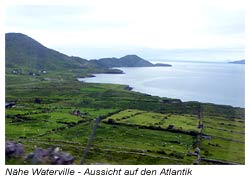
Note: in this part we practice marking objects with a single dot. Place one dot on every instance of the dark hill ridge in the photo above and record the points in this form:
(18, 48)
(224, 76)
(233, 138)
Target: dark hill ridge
(135, 61)
(238, 62)
(126, 61)
(25, 52)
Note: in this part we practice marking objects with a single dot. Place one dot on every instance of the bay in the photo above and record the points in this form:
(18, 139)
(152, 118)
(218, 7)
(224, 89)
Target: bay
(219, 83)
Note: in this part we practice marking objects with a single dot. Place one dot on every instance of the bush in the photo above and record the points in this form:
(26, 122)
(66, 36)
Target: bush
(111, 121)
(170, 126)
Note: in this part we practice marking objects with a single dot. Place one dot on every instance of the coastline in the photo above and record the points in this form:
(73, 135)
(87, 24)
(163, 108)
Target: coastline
(129, 88)
(138, 84)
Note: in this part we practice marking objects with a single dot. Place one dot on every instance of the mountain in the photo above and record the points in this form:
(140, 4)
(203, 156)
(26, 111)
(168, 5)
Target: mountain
(238, 62)
(126, 61)
(21, 51)
(162, 64)
(134, 61)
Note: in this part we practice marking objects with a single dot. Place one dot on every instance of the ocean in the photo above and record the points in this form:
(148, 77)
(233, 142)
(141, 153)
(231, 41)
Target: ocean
(219, 83)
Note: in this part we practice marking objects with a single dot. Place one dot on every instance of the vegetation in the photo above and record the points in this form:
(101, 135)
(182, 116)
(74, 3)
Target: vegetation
(54, 109)
(135, 128)
(24, 55)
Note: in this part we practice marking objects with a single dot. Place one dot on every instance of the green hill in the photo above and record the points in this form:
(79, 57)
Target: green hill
(26, 53)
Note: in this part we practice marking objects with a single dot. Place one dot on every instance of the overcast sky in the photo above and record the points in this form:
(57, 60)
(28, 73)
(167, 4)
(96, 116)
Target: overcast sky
(206, 30)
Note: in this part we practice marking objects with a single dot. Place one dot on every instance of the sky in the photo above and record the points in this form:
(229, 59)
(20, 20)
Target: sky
(204, 30)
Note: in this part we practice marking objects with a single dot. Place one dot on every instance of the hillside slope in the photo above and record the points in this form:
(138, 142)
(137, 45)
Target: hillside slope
(126, 61)
(25, 52)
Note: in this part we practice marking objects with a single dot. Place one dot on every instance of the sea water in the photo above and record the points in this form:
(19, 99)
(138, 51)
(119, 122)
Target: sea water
(219, 83)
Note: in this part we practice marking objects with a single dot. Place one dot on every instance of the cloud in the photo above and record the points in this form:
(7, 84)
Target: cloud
(152, 24)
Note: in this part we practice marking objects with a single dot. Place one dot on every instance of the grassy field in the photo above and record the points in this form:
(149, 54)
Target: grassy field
(55, 109)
